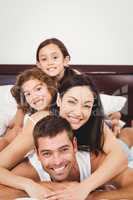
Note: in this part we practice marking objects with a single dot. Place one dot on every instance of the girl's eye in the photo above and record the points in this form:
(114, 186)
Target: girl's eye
(39, 88)
(44, 59)
(55, 57)
(26, 94)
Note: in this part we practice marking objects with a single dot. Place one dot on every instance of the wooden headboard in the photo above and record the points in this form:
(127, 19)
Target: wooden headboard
(110, 79)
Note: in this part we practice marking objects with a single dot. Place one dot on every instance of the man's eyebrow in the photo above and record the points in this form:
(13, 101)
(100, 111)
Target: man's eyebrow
(48, 150)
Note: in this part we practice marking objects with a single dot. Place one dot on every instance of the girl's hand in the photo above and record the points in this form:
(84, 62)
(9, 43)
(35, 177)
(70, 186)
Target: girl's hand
(38, 191)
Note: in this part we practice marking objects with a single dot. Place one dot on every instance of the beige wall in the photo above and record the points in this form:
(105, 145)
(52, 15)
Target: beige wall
(94, 31)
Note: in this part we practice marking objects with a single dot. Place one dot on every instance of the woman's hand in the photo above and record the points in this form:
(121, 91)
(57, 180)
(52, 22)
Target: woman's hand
(73, 191)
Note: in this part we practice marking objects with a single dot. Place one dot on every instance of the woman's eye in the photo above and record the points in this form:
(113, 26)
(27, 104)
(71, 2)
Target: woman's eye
(71, 102)
(88, 107)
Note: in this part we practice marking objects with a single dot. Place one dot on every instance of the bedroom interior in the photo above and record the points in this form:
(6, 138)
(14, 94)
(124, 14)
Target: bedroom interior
(110, 79)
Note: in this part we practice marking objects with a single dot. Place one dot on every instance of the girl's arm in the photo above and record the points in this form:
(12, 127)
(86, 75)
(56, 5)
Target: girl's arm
(18, 119)
(13, 129)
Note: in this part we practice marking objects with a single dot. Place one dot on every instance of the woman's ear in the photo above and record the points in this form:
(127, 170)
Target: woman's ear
(58, 100)
(66, 61)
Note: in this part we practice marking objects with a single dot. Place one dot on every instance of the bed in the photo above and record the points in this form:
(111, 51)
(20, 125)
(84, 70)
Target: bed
(110, 79)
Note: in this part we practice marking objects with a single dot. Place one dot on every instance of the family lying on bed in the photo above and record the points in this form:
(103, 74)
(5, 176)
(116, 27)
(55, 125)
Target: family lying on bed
(55, 90)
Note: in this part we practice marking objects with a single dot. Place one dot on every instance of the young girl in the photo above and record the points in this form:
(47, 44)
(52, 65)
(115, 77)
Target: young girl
(52, 57)
(79, 103)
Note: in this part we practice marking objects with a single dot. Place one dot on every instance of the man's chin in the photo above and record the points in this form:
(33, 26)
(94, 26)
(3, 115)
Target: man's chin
(59, 178)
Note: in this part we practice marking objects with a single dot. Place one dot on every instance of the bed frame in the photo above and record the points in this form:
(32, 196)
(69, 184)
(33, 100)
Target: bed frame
(110, 79)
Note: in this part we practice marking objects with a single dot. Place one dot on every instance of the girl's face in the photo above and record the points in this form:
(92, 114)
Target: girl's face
(36, 94)
(51, 60)
(76, 105)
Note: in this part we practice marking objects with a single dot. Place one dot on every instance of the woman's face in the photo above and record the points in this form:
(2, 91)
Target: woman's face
(76, 105)
(51, 60)
(37, 94)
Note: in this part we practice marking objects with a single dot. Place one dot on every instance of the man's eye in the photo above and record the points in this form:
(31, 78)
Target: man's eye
(65, 150)
(46, 154)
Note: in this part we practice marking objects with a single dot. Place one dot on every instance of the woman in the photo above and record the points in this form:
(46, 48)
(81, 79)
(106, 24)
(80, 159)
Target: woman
(79, 103)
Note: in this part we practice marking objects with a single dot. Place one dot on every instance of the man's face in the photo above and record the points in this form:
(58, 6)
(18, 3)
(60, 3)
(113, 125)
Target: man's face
(57, 155)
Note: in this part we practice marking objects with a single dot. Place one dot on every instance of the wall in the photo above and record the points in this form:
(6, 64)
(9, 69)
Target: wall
(94, 31)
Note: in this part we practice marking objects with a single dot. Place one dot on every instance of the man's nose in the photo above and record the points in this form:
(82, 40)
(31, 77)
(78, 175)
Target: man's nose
(57, 159)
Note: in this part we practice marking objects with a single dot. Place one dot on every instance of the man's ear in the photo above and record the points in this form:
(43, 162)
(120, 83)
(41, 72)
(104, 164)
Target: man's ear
(36, 151)
(75, 146)
(66, 61)
(58, 100)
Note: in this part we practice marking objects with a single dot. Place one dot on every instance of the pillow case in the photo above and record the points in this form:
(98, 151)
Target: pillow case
(112, 103)
(8, 107)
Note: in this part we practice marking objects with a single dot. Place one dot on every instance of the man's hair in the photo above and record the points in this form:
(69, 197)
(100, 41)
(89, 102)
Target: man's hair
(51, 126)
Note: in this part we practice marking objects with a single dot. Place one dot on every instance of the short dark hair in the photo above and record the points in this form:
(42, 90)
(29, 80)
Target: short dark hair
(51, 126)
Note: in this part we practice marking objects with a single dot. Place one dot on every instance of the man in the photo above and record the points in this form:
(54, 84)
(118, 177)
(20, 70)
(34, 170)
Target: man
(56, 148)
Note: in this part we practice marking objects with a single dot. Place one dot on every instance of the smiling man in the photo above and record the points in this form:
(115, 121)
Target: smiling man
(64, 166)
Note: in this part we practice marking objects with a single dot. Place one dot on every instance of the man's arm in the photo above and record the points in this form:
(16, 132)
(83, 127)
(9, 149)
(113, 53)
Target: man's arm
(8, 193)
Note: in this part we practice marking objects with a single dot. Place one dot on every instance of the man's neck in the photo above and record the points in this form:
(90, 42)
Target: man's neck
(75, 173)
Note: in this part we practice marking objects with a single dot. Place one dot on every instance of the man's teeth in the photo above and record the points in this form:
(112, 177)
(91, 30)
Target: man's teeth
(59, 169)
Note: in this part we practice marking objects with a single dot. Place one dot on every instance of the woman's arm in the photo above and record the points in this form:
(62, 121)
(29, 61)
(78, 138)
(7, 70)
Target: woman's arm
(114, 163)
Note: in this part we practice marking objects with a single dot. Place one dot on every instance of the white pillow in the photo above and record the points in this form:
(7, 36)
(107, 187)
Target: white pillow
(8, 107)
(112, 103)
